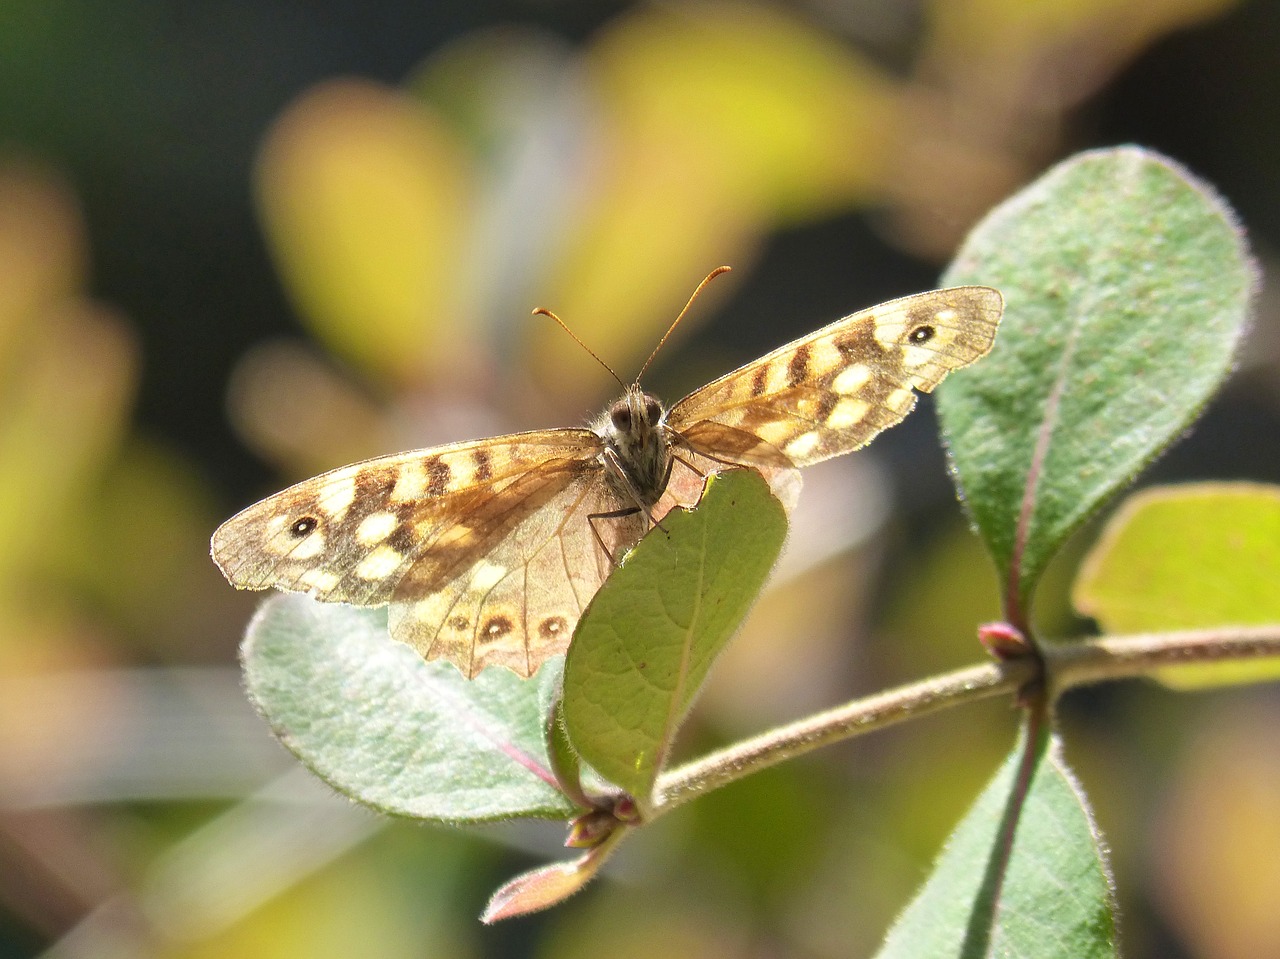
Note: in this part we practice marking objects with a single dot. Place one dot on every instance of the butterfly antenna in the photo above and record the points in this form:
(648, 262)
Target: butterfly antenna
(676, 322)
(540, 311)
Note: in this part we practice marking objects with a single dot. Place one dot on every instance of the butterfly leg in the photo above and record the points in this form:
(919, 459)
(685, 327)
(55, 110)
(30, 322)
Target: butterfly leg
(701, 474)
(623, 483)
(612, 514)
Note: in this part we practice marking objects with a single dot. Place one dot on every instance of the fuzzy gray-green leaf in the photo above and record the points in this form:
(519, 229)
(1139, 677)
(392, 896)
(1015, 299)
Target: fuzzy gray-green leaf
(405, 736)
(1021, 875)
(1127, 285)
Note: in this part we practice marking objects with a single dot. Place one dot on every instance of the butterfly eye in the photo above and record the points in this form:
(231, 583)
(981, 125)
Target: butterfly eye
(621, 416)
(652, 410)
(304, 527)
(922, 334)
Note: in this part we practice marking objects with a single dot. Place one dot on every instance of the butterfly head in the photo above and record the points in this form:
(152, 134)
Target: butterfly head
(633, 428)
(636, 414)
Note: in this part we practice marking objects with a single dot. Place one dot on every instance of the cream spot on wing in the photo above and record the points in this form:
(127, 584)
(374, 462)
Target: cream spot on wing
(308, 548)
(776, 433)
(411, 483)
(889, 333)
(339, 494)
(848, 412)
(462, 472)
(851, 380)
(824, 357)
(774, 377)
(460, 536)
(376, 527)
(487, 576)
(275, 539)
(318, 580)
(803, 444)
(914, 357)
(426, 612)
(900, 399)
(945, 316)
(379, 563)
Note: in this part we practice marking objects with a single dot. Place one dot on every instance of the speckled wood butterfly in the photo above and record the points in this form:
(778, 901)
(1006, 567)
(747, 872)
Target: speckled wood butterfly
(487, 552)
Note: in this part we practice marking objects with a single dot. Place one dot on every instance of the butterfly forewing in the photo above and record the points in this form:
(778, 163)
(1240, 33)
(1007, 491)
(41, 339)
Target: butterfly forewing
(367, 533)
(831, 392)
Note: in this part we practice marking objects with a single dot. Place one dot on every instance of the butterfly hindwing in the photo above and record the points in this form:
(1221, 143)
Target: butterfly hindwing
(516, 600)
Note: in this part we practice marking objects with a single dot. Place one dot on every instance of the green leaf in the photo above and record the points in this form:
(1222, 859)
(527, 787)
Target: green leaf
(1127, 285)
(375, 721)
(1185, 557)
(645, 644)
(1048, 894)
(565, 765)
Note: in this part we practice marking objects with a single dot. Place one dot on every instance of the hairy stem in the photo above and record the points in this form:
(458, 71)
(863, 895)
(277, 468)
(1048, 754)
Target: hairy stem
(860, 716)
(1066, 664)
(1077, 663)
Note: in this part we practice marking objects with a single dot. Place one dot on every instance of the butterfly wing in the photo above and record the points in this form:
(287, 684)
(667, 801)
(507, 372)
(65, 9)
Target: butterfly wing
(442, 534)
(515, 600)
(831, 392)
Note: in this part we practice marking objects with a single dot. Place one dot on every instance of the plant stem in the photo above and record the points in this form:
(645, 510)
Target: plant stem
(1079, 662)
(852, 719)
(1066, 664)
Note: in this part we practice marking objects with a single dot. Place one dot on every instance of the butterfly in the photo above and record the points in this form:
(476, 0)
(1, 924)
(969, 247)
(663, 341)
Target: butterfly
(487, 552)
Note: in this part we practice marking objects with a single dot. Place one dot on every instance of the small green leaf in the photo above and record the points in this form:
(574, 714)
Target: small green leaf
(1047, 895)
(1185, 557)
(565, 765)
(1127, 285)
(649, 636)
(375, 721)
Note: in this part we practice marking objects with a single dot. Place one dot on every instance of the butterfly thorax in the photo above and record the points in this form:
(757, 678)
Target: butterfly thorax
(634, 433)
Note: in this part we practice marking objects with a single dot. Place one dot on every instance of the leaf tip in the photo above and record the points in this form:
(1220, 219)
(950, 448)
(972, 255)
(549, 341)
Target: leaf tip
(549, 885)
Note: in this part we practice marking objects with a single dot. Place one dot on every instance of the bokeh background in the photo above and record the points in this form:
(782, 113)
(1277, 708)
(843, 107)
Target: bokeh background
(242, 242)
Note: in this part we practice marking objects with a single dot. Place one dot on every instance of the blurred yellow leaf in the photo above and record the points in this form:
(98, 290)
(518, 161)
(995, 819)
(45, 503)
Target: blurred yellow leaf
(41, 251)
(137, 543)
(292, 407)
(66, 400)
(996, 83)
(1185, 557)
(1217, 844)
(1108, 30)
(771, 113)
(365, 195)
(67, 374)
(717, 122)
